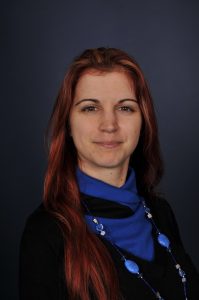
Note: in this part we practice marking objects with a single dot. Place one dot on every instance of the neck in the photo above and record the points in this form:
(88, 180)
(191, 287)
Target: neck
(114, 176)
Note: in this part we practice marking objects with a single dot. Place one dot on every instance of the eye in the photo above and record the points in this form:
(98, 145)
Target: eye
(126, 108)
(89, 108)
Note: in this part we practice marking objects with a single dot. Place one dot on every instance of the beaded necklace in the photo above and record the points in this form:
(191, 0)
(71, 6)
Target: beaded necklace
(131, 265)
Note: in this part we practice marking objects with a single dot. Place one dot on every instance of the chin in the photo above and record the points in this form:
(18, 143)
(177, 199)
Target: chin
(108, 164)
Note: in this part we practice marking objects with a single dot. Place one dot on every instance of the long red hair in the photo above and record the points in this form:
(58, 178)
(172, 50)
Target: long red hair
(88, 264)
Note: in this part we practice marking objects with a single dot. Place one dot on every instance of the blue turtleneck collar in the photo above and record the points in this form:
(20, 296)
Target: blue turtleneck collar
(126, 194)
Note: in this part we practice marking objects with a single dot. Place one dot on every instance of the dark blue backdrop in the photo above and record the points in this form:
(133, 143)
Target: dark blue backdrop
(38, 40)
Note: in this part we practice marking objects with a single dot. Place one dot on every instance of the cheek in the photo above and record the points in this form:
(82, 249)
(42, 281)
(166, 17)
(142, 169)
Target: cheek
(133, 128)
(137, 129)
(80, 130)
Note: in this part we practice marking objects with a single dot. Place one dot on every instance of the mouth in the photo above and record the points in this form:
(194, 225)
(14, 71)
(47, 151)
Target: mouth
(109, 145)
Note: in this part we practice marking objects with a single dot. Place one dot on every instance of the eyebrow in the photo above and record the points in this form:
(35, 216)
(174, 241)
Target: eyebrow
(98, 101)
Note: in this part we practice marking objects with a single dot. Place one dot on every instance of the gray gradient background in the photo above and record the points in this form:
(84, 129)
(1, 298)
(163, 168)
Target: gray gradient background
(38, 41)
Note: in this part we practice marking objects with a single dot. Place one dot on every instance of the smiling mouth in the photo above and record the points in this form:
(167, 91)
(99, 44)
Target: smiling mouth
(109, 145)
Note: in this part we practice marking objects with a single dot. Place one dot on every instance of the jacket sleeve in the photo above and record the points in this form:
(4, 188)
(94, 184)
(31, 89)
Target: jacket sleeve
(40, 261)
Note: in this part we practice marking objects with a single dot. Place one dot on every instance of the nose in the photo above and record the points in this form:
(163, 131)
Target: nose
(108, 122)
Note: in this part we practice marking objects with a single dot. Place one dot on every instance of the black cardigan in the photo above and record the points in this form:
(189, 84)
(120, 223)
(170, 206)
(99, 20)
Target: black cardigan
(41, 259)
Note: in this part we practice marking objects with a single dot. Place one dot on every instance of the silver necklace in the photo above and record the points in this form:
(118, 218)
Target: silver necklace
(131, 265)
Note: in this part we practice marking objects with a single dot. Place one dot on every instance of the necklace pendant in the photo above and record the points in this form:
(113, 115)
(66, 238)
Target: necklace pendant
(184, 279)
(102, 232)
(158, 296)
(99, 227)
(131, 266)
(95, 221)
(149, 216)
(163, 240)
(147, 210)
(182, 274)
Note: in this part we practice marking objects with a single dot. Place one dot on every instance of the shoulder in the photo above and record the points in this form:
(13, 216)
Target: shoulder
(160, 202)
(43, 229)
(161, 207)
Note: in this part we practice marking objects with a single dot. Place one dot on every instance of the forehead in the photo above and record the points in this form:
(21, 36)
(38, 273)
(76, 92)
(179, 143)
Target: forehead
(114, 82)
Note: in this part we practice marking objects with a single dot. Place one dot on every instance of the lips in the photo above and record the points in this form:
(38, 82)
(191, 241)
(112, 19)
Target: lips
(111, 144)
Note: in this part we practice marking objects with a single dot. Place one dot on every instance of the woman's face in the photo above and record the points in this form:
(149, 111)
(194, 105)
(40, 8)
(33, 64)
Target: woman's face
(105, 120)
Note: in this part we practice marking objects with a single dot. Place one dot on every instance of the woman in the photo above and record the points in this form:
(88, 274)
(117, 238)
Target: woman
(103, 231)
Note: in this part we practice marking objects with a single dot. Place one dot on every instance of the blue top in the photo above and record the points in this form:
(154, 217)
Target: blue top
(132, 233)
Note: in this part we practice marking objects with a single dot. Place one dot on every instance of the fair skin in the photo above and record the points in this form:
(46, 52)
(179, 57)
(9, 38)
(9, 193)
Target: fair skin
(106, 128)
